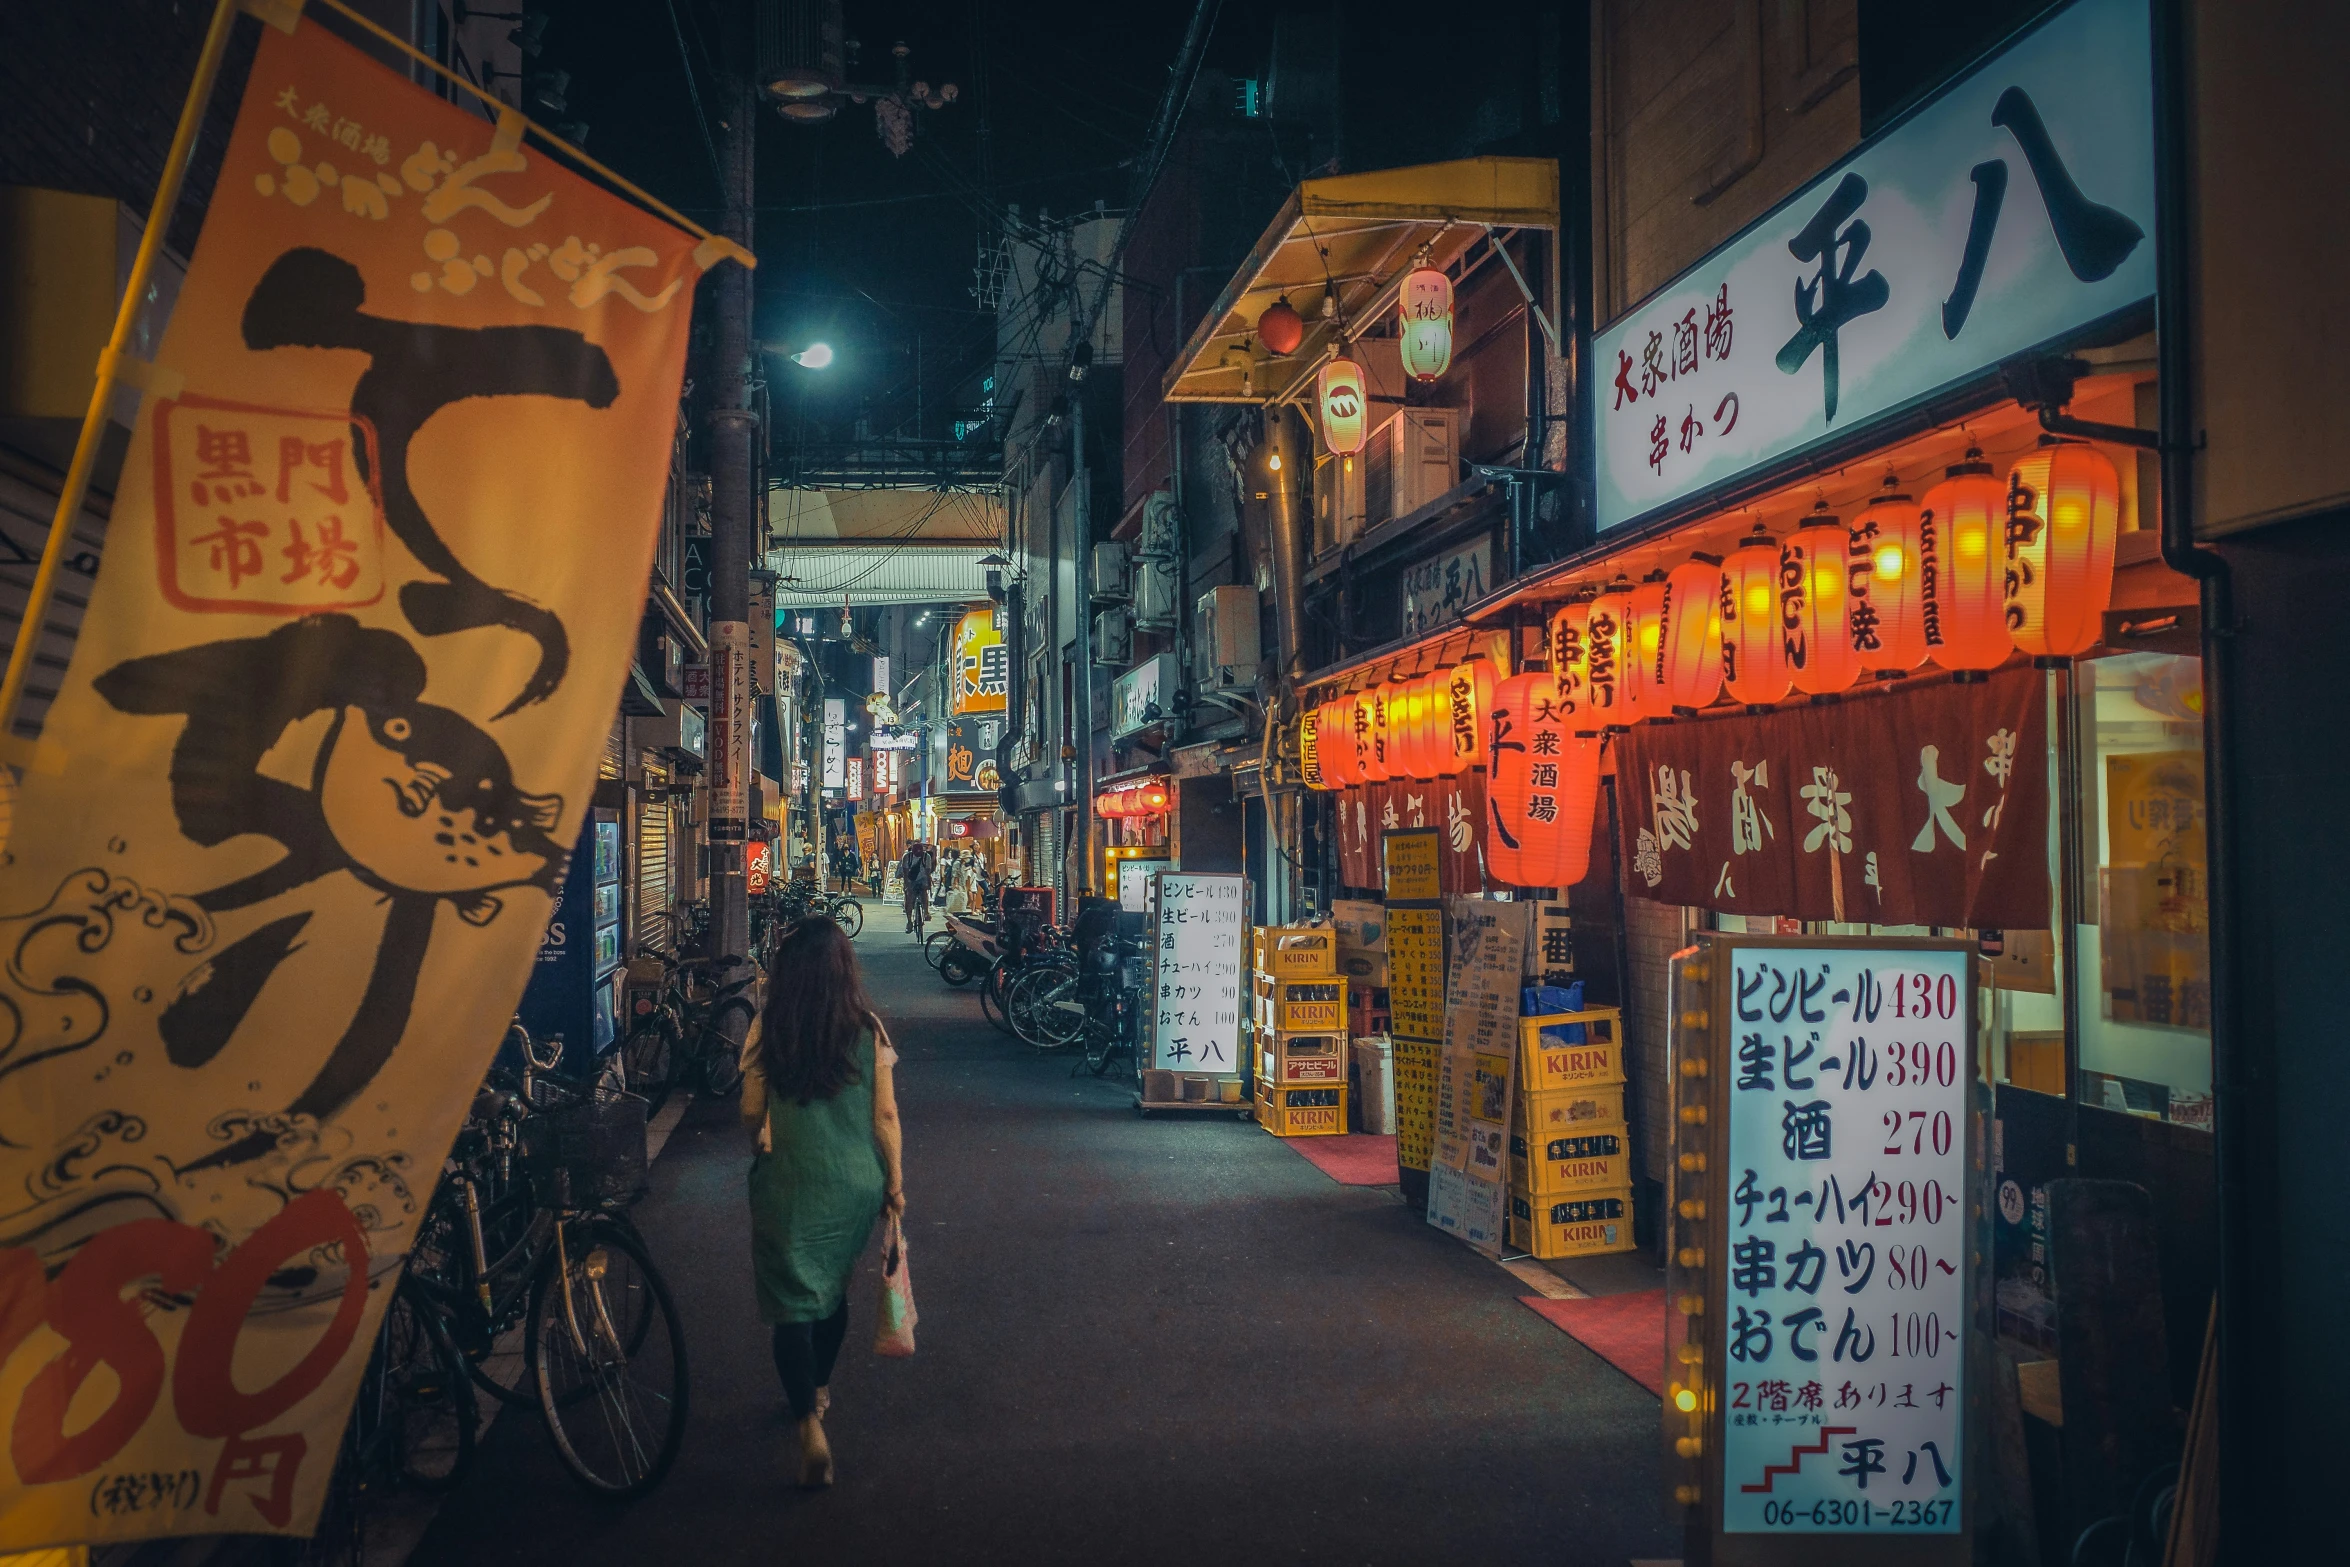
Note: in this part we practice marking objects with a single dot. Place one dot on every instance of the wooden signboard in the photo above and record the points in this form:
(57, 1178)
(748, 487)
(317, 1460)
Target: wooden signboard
(1827, 1222)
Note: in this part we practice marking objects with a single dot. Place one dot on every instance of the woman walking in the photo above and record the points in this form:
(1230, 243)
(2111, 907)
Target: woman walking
(818, 1086)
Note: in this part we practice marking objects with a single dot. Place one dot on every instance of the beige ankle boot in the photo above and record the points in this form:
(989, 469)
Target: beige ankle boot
(815, 1455)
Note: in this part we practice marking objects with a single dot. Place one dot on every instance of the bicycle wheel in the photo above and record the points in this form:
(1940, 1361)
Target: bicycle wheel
(607, 1354)
(1045, 1011)
(426, 1414)
(994, 985)
(934, 950)
(722, 1062)
(849, 914)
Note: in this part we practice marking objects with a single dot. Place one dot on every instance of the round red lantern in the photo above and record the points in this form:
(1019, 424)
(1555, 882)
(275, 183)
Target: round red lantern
(1754, 652)
(1570, 658)
(1888, 585)
(1281, 328)
(1403, 728)
(2063, 517)
(1961, 534)
(1338, 390)
(1689, 636)
(1603, 647)
(1642, 694)
(1466, 697)
(1336, 737)
(1429, 742)
(1544, 790)
(1424, 308)
(1815, 605)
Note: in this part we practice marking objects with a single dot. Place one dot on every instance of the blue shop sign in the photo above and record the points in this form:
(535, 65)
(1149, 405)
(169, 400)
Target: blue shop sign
(2008, 212)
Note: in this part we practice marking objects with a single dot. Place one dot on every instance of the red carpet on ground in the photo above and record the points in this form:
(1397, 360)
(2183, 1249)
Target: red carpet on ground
(1355, 1159)
(1627, 1331)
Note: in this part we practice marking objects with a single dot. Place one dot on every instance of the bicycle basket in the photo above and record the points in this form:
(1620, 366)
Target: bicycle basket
(595, 1148)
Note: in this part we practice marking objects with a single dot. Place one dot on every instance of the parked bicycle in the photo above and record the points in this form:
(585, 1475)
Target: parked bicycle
(527, 1229)
(686, 1028)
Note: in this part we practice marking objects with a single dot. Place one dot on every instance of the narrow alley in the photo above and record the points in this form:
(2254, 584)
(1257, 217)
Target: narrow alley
(1140, 1341)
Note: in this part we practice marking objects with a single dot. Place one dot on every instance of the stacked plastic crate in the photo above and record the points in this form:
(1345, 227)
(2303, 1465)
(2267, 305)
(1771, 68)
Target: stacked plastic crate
(1298, 1014)
(1570, 1154)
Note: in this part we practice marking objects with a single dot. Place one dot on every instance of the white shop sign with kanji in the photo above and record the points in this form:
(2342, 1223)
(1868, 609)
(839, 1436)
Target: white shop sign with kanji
(2009, 212)
(1195, 1010)
(1843, 1394)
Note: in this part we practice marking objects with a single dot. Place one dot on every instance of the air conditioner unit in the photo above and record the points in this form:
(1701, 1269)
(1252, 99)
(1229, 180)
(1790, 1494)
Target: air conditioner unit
(1338, 500)
(1226, 650)
(1154, 595)
(1113, 636)
(1110, 575)
(1413, 457)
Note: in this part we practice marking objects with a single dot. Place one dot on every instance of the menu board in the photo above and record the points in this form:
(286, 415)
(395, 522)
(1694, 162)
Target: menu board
(1203, 929)
(1415, 988)
(1842, 1281)
(1476, 1075)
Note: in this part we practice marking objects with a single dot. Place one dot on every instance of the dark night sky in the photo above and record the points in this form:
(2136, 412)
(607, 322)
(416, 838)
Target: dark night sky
(873, 253)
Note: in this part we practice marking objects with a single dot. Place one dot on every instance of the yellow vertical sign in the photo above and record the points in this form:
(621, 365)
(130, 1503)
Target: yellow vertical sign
(1415, 986)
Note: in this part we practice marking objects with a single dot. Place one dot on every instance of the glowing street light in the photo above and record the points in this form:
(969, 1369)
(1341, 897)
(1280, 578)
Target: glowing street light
(813, 357)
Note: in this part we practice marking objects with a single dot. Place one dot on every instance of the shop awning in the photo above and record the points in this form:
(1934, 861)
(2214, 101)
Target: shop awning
(1355, 235)
(797, 516)
(822, 576)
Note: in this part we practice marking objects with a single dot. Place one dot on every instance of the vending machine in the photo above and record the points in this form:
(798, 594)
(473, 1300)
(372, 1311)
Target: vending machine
(574, 988)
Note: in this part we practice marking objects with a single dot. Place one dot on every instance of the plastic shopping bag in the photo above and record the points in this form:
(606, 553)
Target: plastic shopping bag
(893, 1321)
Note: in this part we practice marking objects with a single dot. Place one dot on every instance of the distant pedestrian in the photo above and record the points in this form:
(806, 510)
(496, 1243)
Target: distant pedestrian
(915, 877)
(818, 1086)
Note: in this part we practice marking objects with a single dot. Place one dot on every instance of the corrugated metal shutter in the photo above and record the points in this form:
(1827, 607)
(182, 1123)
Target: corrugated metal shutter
(610, 765)
(25, 510)
(652, 864)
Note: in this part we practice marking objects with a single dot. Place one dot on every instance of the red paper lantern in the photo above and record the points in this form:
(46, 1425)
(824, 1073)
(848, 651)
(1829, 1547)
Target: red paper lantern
(1281, 328)
(1754, 651)
(1337, 739)
(1688, 662)
(1544, 789)
(1570, 660)
(1961, 536)
(1815, 606)
(1428, 740)
(1375, 748)
(1603, 648)
(1424, 311)
(1403, 729)
(2063, 517)
(1888, 585)
(1344, 404)
(1643, 694)
(1466, 698)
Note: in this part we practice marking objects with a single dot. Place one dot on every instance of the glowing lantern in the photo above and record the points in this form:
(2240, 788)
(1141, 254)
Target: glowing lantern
(1688, 663)
(1281, 328)
(1406, 704)
(1644, 615)
(1336, 737)
(2063, 514)
(1603, 652)
(1965, 566)
(1815, 606)
(1428, 740)
(1425, 308)
(1371, 734)
(1888, 585)
(1545, 788)
(1466, 696)
(1339, 391)
(1570, 659)
(1309, 748)
(1754, 652)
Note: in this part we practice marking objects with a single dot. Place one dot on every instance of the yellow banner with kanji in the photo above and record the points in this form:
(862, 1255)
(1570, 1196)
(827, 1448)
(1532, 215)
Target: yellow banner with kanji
(371, 583)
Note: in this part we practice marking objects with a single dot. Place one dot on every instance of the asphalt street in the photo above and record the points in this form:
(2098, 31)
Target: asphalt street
(1140, 1342)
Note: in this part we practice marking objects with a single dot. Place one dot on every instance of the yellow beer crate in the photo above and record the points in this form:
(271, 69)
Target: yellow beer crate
(1294, 951)
(1301, 1058)
(1599, 1159)
(1553, 1112)
(1588, 1224)
(1551, 1056)
(1293, 1006)
(1293, 1111)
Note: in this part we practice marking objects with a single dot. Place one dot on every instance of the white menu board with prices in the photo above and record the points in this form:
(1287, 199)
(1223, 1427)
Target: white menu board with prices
(1831, 1241)
(1203, 930)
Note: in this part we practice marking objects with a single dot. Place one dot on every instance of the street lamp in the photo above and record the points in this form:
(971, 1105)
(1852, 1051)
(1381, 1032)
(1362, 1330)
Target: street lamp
(813, 357)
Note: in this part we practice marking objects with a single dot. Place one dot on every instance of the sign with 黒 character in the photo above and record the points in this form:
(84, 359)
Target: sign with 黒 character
(1827, 1221)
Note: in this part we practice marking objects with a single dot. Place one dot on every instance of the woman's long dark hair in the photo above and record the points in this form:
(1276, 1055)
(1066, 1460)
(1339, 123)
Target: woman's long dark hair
(816, 1008)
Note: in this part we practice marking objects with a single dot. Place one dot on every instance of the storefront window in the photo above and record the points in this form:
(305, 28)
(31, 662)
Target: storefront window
(2145, 964)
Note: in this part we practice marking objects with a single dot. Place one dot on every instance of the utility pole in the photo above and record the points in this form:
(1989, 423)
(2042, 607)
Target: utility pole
(734, 427)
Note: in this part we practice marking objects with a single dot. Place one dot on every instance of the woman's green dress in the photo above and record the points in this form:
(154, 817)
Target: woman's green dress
(814, 1200)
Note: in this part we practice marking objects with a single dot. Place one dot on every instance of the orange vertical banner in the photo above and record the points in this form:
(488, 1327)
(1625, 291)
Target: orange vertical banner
(371, 585)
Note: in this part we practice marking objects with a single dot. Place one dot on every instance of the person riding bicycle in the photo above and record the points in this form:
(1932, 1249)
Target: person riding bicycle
(914, 875)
